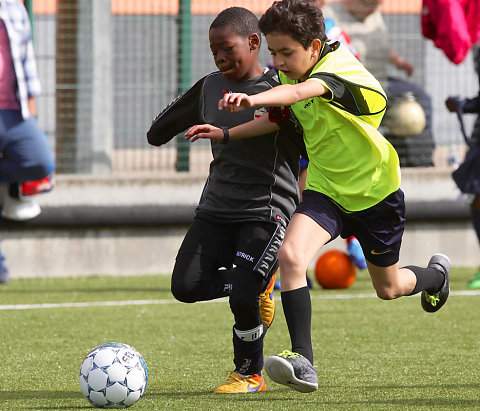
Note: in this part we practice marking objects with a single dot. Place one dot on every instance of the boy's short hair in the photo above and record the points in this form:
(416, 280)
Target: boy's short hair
(242, 21)
(300, 19)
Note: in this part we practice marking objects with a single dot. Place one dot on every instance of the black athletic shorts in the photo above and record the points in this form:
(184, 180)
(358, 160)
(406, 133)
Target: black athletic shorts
(379, 229)
(252, 244)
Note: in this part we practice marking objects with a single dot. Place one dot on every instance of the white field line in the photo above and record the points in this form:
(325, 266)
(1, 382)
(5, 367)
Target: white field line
(171, 301)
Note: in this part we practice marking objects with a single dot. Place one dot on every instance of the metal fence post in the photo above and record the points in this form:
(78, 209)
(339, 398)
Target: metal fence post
(184, 75)
(84, 87)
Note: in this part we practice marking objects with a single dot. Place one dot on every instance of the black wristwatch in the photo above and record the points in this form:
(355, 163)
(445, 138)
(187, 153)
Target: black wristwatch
(226, 135)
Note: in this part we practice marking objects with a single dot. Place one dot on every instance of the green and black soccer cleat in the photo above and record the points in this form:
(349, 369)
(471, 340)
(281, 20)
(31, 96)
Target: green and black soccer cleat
(433, 302)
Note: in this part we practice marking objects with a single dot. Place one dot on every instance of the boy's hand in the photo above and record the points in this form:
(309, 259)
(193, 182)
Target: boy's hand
(235, 102)
(204, 131)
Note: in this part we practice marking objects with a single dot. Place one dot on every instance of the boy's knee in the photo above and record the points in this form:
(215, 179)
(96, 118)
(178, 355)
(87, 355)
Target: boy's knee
(181, 289)
(285, 254)
(387, 293)
(182, 292)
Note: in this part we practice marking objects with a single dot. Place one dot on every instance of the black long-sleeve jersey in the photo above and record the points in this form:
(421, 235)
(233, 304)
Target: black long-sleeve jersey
(249, 179)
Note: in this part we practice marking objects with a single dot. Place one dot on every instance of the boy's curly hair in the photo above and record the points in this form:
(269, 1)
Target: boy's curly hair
(242, 21)
(300, 19)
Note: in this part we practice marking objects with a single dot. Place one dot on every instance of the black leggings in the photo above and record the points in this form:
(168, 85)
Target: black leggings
(197, 277)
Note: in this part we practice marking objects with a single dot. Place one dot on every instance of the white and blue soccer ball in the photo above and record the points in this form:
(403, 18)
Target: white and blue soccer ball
(113, 375)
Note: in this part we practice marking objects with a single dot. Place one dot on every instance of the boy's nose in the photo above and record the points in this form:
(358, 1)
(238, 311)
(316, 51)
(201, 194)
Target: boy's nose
(220, 56)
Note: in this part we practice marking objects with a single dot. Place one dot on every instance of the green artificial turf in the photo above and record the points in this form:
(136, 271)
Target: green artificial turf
(370, 354)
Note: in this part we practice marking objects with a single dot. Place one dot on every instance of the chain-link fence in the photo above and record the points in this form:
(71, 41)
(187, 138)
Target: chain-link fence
(109, 66)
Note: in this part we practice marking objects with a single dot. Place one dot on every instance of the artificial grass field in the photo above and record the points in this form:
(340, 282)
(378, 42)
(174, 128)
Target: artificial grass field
(370, 354)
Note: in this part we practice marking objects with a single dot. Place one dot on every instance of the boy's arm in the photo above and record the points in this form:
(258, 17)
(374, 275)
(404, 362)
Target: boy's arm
(180, 114)
(283, 95)
(256, 127)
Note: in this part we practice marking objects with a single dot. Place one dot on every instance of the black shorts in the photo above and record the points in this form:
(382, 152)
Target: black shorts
(379, 229)
(253, 245)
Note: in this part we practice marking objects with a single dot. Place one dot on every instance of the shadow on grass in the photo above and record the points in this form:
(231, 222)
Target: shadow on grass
(62, 407)
(282, 396)
(44, 395)
(41, 395)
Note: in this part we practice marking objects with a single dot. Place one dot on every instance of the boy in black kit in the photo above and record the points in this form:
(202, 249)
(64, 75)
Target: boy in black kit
(248, 199)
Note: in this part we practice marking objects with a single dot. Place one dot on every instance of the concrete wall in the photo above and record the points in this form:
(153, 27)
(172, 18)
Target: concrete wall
(135, 225)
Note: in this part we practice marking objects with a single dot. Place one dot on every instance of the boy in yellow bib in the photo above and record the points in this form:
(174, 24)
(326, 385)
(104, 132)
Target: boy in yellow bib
(353, 182)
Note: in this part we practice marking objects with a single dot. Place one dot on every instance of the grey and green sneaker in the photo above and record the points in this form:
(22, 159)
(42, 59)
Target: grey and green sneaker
(293, 370)
(433, 302)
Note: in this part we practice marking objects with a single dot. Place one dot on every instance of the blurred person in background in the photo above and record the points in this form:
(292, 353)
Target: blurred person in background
(25, 154)
(467, 176)
(364, 23)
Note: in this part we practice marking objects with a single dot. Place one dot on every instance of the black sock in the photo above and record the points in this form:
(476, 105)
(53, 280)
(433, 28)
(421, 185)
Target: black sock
(248, 355)
(298, 314)
(429, 279)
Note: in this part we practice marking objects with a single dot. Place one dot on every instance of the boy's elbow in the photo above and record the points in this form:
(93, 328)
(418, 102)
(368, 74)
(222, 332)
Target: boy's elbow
(157, 139)
(157, 136)
(152, 138)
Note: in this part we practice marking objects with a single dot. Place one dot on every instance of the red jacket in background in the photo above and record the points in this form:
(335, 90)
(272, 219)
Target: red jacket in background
(453, 25)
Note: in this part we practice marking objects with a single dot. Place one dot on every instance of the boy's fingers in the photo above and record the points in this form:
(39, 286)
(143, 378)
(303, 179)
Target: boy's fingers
(194, 137)
(193, 130)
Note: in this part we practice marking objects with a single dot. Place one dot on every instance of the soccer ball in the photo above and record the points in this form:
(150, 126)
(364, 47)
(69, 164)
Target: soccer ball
(405, 117)
(335, 270)
(113, 375)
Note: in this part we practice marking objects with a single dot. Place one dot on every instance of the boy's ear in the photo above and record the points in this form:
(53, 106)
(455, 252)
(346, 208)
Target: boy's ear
(254, 41)
(316, 48)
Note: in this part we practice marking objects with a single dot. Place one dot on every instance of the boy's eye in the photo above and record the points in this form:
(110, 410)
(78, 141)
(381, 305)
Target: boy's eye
(225, 50)
(289, 53)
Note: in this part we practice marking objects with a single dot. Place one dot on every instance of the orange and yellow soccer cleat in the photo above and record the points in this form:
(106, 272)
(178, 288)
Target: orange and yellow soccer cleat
(238, 384)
